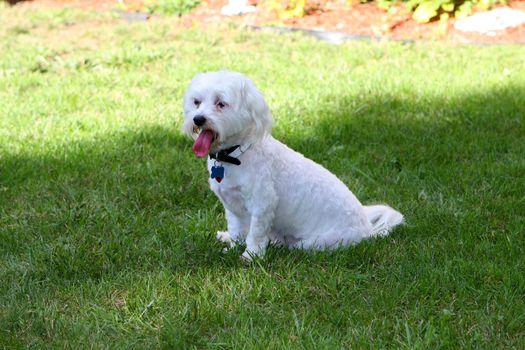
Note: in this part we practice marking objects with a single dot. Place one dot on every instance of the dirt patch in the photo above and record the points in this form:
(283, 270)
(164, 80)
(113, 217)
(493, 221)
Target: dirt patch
(335, 16)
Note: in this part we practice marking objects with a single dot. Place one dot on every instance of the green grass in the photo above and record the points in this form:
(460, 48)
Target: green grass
(172, 7)
(107, 225)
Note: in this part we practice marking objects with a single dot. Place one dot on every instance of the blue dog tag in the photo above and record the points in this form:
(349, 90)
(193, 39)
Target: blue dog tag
(217, 173)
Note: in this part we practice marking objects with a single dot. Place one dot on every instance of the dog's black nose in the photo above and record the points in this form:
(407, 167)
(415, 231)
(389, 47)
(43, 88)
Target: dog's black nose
(199, 120)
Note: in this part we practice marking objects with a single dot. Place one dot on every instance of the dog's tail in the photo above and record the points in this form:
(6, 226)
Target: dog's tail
(383, 219)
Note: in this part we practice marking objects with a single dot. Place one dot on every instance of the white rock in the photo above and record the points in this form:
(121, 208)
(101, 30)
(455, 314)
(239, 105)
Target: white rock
(237, 8)
(491, 21)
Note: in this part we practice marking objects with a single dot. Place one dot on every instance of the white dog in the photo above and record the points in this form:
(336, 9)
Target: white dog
(270, 192)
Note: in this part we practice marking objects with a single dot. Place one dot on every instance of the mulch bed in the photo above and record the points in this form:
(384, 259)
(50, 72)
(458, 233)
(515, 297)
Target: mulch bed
(334, 16)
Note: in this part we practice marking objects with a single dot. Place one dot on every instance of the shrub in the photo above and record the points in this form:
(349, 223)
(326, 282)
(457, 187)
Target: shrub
(426, 10)
(422, 10)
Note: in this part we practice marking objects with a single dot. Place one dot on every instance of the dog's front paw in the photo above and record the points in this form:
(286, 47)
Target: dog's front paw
(248, 256)
(224, 236)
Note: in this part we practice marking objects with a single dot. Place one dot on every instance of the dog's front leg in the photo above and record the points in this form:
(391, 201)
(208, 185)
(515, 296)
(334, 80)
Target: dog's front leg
(259, 235)
(238, 227)
(261, 202)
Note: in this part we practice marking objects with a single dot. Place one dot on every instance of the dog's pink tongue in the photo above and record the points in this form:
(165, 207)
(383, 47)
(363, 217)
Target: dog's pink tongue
(202, 145)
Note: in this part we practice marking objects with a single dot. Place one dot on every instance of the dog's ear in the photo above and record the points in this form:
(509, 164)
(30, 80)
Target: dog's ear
(257, 108)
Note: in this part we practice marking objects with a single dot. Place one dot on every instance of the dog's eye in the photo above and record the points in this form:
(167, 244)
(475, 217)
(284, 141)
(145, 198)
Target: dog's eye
(220, 104)
(196, 102)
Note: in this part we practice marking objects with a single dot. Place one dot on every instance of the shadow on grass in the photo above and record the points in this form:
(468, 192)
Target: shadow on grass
(132, 200)
(139, 200)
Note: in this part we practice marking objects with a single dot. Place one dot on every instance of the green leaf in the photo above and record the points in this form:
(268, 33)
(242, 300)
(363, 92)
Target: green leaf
(464, 10)
(425, 12)
(448, 6)
(485, 4)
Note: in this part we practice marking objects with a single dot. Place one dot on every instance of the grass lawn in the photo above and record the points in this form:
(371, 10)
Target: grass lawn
(107, 224)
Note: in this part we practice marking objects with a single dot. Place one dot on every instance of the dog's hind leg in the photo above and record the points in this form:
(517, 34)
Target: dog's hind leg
(313, 243)
(331, 240)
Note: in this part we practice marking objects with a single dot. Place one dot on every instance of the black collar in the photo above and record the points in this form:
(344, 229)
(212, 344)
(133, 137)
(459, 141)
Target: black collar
(224, 155)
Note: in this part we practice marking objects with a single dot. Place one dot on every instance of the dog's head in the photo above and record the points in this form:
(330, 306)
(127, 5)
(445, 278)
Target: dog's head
(223, 109)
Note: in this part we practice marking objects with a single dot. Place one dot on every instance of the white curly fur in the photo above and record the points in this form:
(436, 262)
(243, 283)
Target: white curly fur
(276, 194)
